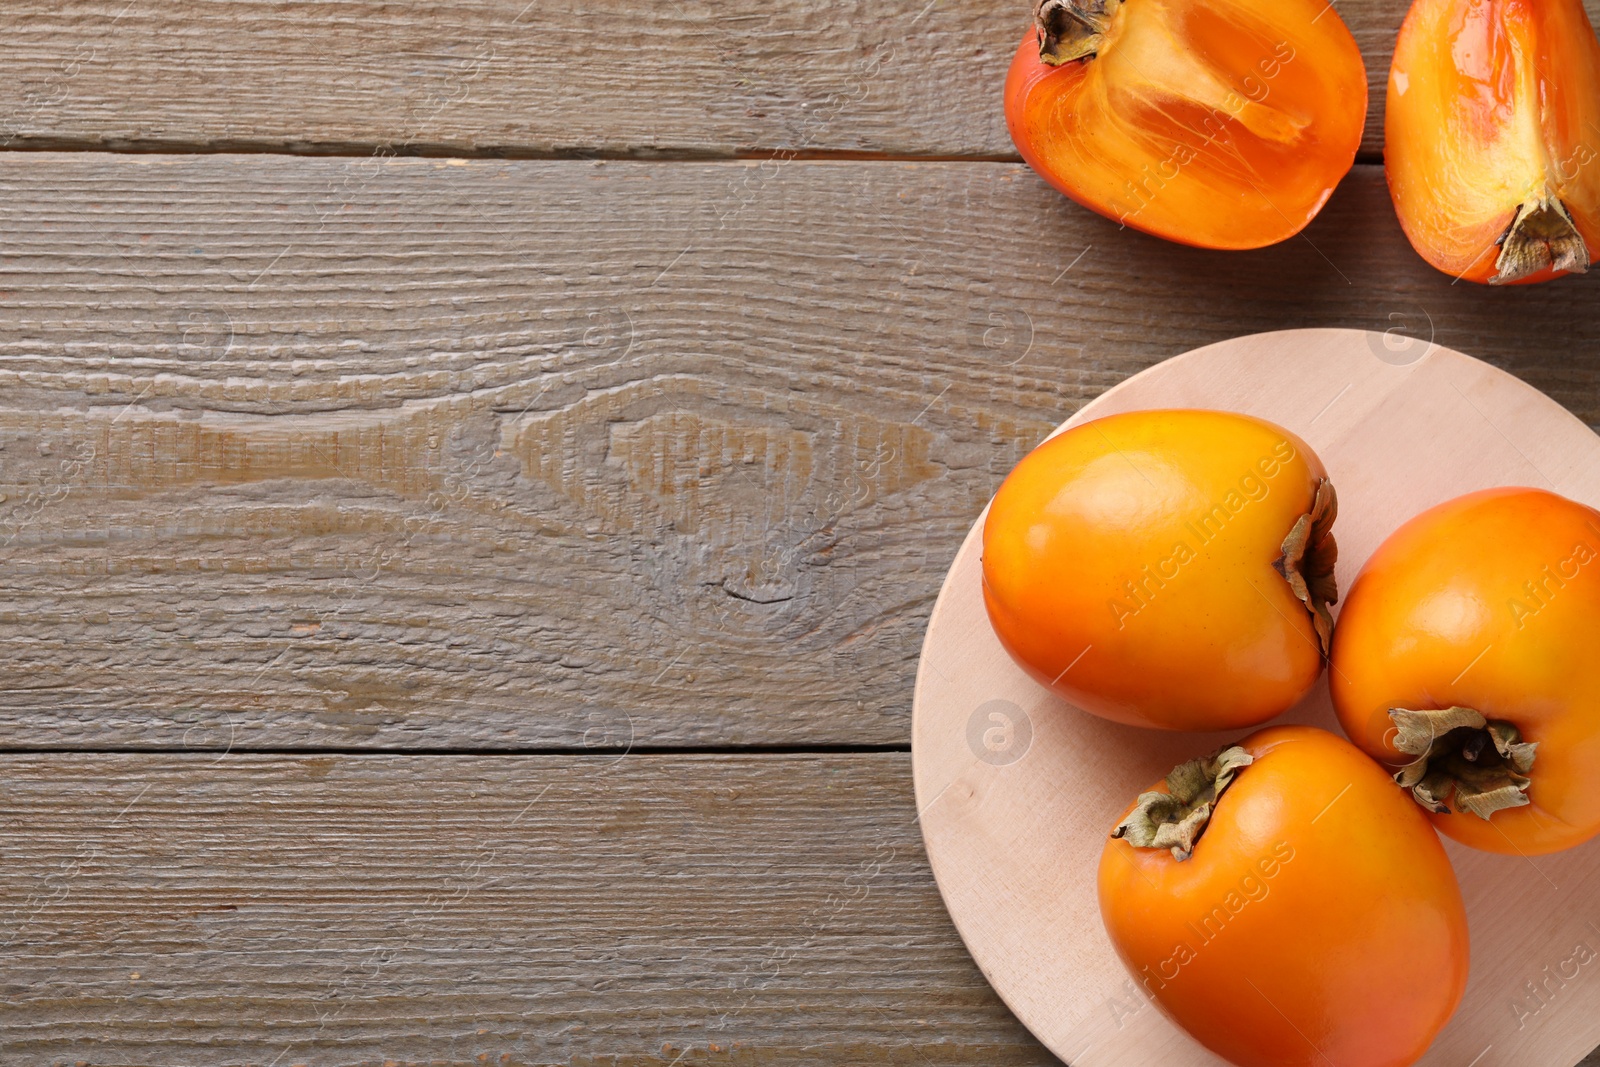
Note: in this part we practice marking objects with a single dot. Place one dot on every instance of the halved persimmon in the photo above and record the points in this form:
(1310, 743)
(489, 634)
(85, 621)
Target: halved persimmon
(1493, 115)
(1217, 123)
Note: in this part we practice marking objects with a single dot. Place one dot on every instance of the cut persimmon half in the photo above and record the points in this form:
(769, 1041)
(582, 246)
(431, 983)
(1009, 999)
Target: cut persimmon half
(1216, 123)
(1493, 115)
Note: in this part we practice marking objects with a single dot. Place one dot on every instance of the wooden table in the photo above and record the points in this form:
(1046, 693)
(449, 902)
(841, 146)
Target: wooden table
(475, 478)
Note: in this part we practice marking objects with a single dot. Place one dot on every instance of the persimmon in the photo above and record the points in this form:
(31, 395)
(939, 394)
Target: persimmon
(1493, 108)
(1287, 906)
(1217, 123)
(1166, 568)
(1465, 658)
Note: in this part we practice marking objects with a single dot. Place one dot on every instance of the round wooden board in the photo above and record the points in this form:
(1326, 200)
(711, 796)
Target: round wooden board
(1015, 815)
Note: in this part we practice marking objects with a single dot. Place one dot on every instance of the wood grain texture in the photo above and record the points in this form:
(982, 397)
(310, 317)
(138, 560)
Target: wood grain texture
(310, 453)
(359, 911)
(903, 77)
(702, 76)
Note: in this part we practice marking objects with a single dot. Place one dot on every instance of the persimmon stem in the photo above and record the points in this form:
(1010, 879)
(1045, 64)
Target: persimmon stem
(1175, 819)
(1480, 764)
(1072, 29)
(1542, 234)
(1309, 555)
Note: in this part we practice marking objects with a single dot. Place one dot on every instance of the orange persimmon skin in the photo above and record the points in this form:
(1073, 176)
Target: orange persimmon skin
(1318, 921)
(1489, 601)
(1491, 103)
(1128, 565)
(1215, 123)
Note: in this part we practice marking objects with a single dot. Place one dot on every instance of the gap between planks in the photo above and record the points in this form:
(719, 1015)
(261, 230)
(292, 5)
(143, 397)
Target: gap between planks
(361, 150)
(606, 751)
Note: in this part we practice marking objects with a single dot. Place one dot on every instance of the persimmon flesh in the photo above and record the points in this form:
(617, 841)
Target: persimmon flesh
(1465, 658)
(1216, 123)
(1493, 111)
(1314, 918)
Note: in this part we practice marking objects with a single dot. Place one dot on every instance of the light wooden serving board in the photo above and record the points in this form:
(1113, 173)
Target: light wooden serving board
(1015, 816)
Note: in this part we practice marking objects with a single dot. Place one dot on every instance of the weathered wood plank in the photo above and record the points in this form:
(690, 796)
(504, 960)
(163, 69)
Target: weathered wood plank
(905, 77)
(310, 453)
(702, 76)
(345, 911)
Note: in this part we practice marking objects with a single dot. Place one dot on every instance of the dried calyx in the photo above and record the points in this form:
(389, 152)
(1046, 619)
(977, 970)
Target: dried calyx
(1309, 555)
(1464, 762)
(1175, 819)
(1542, 234)
(1072, 29)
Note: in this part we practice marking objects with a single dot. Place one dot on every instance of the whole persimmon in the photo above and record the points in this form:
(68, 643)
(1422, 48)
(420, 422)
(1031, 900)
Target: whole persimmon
(1217, 123)
(1493, 111)
(1170, 569)
(1468, 659)
(1288, 907)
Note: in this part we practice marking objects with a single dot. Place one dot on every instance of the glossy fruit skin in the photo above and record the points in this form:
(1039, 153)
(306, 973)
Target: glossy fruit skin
(1489, 601)
(1215, 123)
(1319, 920)
(1110, 575)
(1491, 102)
